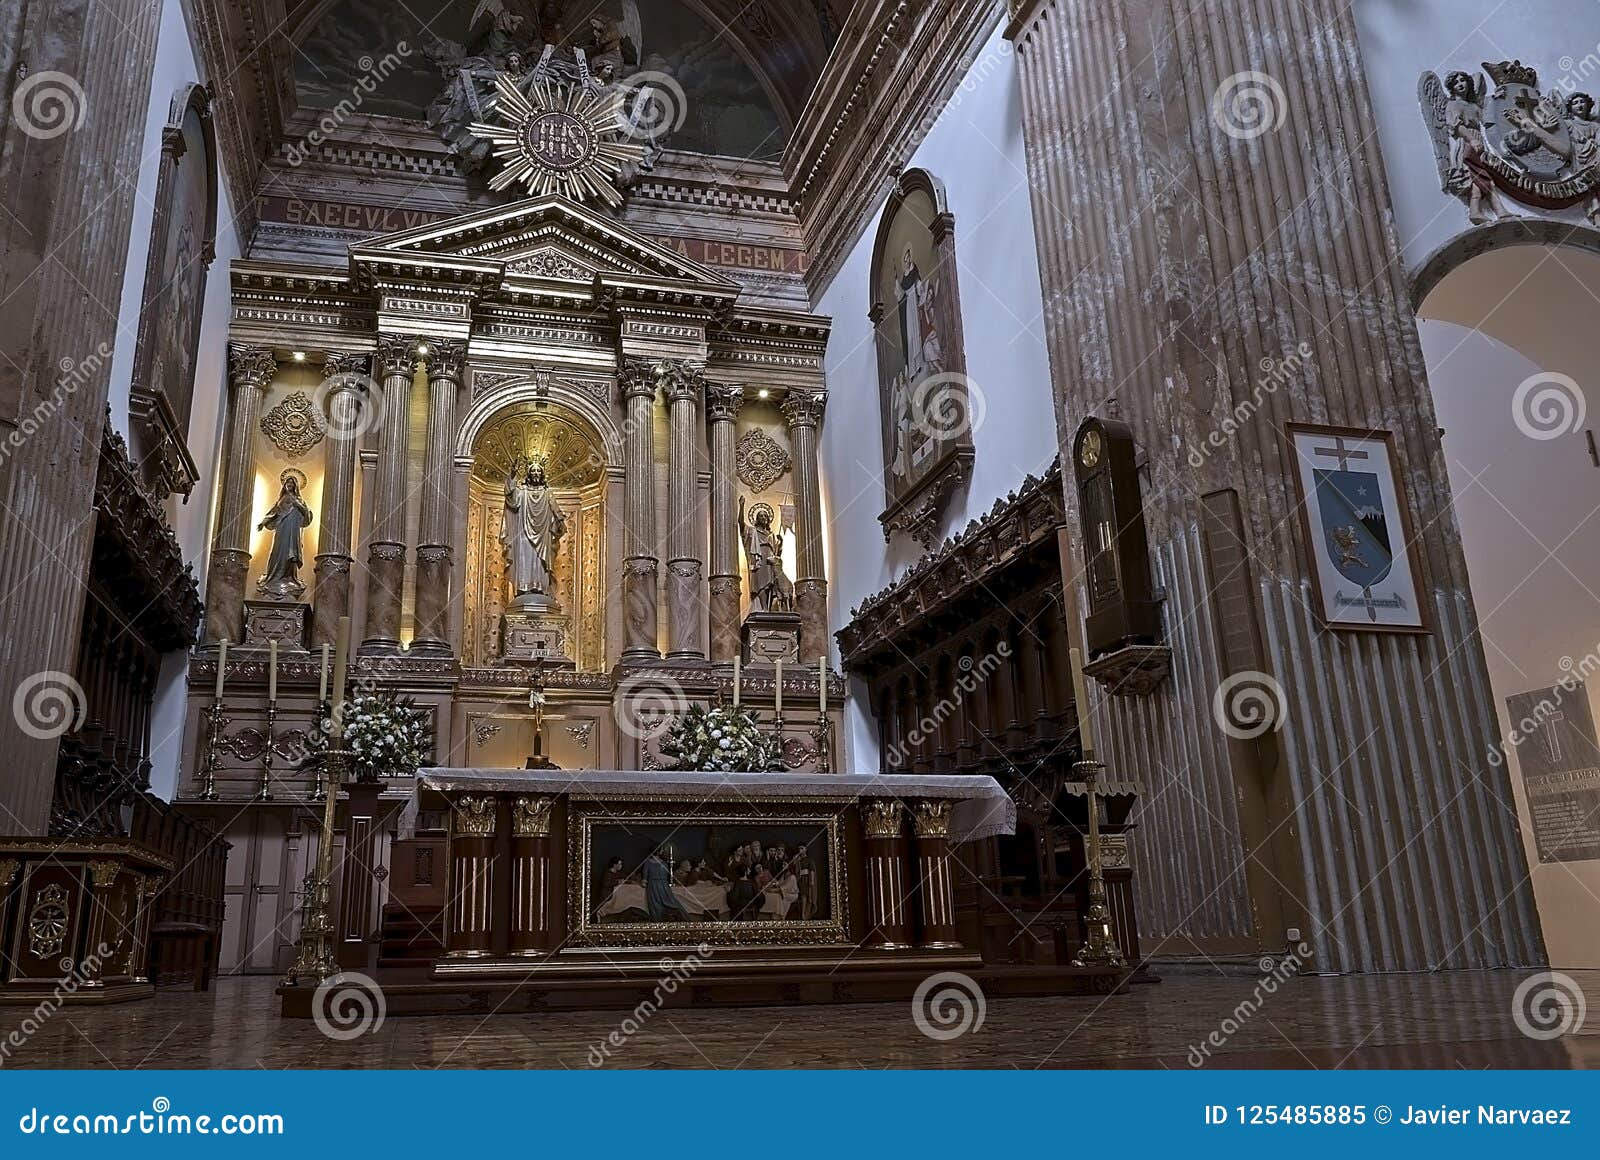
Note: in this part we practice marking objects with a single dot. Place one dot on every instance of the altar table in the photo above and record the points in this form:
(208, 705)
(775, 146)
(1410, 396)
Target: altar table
(784, 867)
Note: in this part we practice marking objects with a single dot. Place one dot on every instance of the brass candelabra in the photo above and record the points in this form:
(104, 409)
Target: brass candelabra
(1099, 947)
(264, 790)
(319, 786)
(217, 720)
(315, 960)
(822, 734)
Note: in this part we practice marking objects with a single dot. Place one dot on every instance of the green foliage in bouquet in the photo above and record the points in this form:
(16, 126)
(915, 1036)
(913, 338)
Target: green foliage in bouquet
(721, 740)
(385, 737)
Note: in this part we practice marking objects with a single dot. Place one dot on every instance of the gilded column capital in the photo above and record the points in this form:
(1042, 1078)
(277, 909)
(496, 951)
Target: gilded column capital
(8, 870)
(803, 408)
(530, 816)
(723, 401)
(881, 819)
(646, 376)
(105, 873)
(251, 367)
(932, 819)
(348, 368)
(397, 355)
(446, 359)
(473, 817)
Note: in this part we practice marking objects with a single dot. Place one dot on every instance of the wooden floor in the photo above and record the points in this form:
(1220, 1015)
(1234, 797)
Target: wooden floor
(1461, 1019)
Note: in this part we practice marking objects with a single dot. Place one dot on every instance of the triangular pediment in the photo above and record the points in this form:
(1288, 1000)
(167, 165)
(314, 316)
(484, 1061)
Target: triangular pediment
(545, 238)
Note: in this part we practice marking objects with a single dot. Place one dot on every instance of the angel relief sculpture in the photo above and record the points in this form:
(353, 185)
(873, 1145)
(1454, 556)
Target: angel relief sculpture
(527, 41)
(1500, 143)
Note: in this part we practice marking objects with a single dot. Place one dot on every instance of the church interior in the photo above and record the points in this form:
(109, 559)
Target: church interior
(969, 533)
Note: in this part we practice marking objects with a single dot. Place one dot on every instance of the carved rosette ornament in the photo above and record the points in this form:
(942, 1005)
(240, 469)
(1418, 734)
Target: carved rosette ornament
(881, 819)
(294, 425)
(1508, 149)
(932, 819)
(48, 920)
(473, 817)
(761, 460)
(530, 817)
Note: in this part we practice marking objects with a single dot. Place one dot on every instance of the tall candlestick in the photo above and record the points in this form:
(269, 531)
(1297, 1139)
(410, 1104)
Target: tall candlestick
(341, 658)
(1080, 695)
(272, 670)
(735, 680)
(822, 686)
(322, 688)
(777, 696)
(222, 665)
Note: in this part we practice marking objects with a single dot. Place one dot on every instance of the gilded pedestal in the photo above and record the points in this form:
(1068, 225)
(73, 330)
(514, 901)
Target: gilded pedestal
(469, 914)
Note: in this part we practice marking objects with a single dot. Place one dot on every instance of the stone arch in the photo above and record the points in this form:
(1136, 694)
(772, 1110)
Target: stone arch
(574, 398)
(1462, 248)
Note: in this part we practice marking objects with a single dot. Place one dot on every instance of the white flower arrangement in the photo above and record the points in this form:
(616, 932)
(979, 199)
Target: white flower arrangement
(384, 737)
(721, 740)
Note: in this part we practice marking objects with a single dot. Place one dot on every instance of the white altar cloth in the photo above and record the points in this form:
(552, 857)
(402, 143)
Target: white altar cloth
(982, 809)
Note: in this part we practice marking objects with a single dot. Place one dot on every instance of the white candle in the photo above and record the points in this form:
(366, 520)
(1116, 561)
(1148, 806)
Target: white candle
(777, 696)
(735, 680)
(322, 688)
(822, 686)
(341, 657)
(272, 670)
(1080, 694)
(222, 664)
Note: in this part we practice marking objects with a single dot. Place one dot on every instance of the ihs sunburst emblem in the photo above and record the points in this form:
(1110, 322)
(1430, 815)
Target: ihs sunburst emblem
(557, 138)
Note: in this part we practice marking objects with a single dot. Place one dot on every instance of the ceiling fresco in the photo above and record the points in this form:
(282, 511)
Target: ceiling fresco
(745, 73)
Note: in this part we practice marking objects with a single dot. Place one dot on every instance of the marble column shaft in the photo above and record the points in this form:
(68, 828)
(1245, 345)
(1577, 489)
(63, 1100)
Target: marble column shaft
(802, 411)
(345, 381)
(250, 372)
(435, 556)
(386, 553)
(722, 411)
(640, 382)
(685, 567)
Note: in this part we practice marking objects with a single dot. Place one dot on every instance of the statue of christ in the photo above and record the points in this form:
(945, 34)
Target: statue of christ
(532, 534)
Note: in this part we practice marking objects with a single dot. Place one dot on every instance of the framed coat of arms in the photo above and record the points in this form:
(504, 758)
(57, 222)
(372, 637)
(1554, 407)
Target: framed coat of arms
(1364, 566)
(922, 366)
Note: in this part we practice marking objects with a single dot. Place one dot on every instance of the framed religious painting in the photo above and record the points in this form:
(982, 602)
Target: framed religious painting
(183, 231)
(755, 874)
(1364, 566)
(924, 393)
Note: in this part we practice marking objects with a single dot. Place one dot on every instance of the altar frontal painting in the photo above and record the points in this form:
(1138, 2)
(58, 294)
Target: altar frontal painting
(729, 879)
(1364, 569)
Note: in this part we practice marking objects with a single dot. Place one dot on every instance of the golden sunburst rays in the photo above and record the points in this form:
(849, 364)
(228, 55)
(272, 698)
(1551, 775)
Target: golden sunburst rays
(557, 138)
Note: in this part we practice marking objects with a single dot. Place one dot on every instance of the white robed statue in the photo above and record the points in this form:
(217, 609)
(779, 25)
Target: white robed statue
(532, 533)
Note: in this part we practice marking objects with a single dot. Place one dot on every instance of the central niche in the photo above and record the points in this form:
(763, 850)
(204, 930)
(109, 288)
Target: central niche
(575, 470)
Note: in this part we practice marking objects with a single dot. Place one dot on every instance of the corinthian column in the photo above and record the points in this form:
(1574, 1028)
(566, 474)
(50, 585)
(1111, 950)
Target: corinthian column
(802, 411)
(386, 554)
(344, 384)
(434, 553)
(685, 567)
(640, 380)
(722, 409)
(250, 373)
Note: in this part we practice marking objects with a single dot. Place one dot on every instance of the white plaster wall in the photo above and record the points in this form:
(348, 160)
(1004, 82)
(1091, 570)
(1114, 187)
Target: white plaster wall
(976, 149)
(1529, 509)
(1402, 38)
(176, 65)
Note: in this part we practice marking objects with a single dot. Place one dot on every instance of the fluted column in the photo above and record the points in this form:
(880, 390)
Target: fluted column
(435, 557)
(640, 381)
(722, 410)
(344, 387)
(685, 566)
(250, 373)
(802, 411)
(386, 552)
